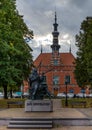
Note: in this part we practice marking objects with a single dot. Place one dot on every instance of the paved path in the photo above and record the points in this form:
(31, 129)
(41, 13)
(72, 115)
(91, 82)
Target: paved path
(57, 112)
(61, 113)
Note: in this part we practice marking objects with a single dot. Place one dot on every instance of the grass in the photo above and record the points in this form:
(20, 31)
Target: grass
(88, 102)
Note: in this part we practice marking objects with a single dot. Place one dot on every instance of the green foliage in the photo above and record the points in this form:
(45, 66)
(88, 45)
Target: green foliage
(15, 54)
(83, 64)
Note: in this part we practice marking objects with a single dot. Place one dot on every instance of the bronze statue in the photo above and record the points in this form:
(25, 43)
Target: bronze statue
(38, 86)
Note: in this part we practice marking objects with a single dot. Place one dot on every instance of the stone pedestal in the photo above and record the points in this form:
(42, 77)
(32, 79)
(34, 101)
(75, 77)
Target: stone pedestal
(38, 106)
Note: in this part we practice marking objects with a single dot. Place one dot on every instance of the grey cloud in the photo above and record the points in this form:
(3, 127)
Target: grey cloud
(79, 3)
(39, 15)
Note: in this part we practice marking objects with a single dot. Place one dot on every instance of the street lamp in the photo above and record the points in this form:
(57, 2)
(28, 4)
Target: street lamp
(66, 102)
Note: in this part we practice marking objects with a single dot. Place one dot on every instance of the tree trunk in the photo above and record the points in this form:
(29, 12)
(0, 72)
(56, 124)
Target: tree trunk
(11, 93)
(5, 91)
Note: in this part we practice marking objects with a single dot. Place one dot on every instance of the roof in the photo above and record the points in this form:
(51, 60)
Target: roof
(45, 59)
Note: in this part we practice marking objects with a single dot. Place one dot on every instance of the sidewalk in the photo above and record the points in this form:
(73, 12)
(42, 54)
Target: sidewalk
(58, 112)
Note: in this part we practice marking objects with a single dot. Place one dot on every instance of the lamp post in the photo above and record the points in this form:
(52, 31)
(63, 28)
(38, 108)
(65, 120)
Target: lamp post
(66, 102)
(66, 83)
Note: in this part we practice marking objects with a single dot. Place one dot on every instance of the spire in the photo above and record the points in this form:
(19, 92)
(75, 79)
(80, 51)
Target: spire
(55, 46)
(55, 24)
(70, 48)
(55, 17)
(41, 49)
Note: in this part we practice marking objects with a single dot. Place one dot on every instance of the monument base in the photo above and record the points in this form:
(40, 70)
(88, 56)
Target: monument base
(38, 106)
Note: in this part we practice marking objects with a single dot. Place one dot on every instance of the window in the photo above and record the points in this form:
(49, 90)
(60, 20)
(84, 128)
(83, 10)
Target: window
(55, 37)
(71, 91)
(55, 80)
(55, 62)
(82, 90)
(67, 79)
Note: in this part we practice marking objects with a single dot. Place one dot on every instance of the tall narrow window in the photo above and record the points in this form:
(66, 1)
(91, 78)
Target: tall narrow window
(55, 62)
(67, 79)
(55, 80)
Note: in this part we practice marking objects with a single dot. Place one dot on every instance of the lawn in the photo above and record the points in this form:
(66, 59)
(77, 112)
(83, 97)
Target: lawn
(87, 100)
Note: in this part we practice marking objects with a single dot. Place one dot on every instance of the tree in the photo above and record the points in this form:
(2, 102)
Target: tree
(15, 54)
(83, 63)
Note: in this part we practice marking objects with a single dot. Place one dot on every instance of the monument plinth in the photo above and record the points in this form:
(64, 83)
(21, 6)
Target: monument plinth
(38, 106)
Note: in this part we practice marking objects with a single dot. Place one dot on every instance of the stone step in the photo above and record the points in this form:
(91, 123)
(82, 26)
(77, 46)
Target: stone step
(30, 122)
(29, 126)
(32, 118)
(27, 123)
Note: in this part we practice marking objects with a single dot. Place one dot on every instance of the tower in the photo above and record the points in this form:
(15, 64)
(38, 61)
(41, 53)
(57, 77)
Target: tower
(55, 60)
(55, 46)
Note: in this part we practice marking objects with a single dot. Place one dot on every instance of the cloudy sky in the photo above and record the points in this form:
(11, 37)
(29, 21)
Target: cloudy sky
(39, 17)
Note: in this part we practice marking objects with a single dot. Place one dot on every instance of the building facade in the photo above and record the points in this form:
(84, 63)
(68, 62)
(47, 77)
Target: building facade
(57, 67)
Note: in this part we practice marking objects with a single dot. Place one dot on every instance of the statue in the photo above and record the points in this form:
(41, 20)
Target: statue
(38, 87)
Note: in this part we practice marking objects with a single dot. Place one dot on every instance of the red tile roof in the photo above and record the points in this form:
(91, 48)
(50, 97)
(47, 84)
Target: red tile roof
(67, 58)
(45, 59)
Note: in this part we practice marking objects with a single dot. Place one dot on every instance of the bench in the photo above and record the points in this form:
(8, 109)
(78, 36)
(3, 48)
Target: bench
(78, 103)
(91, 104)
(15, 103)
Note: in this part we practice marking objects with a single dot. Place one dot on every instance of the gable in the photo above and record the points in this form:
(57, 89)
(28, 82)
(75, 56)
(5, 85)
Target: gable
(45, 59)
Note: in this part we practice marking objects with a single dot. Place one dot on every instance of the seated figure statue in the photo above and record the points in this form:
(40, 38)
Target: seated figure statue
(38, 87)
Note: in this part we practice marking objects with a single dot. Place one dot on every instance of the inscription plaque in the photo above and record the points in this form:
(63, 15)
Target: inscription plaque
(38, 105)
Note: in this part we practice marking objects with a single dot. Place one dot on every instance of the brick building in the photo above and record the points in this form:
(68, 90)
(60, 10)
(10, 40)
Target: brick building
(57, 67)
